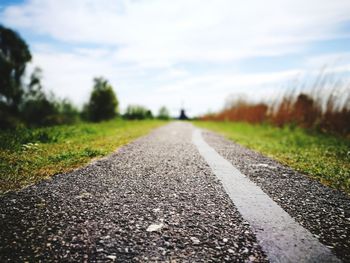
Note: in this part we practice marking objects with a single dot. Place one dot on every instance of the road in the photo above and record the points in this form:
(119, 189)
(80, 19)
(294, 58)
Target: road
(165, 198)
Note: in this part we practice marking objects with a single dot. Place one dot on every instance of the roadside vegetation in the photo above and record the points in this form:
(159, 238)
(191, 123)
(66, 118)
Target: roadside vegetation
(321, 156)
(322, 106)
(26, 102)
(307, 127)
(28, 155)
(42, 135)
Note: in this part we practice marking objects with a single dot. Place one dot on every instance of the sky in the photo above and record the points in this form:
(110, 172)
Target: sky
(191, 53)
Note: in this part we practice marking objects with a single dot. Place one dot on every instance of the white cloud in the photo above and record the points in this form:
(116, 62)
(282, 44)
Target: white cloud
(329, 60)
(70, 75)
(209, 92)
(177, 31)
(225, 81)
(142, 45)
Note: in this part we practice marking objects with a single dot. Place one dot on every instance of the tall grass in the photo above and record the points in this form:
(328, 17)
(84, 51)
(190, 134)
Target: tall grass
(323, 106)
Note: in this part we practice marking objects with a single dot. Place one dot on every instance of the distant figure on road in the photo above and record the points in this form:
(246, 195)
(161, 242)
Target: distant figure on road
(183, 115)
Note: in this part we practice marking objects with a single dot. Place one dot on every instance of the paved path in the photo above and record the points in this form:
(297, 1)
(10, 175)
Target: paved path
(280, 236)
(156, 200)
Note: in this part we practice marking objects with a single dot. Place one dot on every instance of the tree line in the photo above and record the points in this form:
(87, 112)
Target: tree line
(27, 104)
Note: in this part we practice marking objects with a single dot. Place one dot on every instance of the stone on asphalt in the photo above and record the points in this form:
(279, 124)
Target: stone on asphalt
(154, 227)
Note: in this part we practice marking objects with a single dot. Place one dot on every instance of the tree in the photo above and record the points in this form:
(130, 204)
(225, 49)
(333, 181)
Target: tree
(37, 109)
(103, 103)
(163, 113)
(14, 54)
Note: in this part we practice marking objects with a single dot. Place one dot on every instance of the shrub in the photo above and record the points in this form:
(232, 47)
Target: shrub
(137, 112)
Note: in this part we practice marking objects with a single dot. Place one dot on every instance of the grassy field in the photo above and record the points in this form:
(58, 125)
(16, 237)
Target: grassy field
(30, 155)
(323, 157)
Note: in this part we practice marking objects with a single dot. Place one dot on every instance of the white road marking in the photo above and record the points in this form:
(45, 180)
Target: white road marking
(279, 235)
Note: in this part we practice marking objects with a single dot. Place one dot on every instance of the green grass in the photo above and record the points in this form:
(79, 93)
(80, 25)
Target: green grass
(30, 155)
(322, 157)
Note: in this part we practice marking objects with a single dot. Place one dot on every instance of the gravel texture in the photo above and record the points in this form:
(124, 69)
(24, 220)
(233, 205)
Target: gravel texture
(153, 200)
(325, 212)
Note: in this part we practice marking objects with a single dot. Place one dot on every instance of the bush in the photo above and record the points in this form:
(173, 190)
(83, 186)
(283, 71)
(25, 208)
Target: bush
(39, 109)
(36, 108)
(68, 113)
(137, 112)
(41, 112)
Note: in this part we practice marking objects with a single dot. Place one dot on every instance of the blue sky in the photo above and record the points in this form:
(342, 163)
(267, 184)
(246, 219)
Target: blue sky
(196, 52)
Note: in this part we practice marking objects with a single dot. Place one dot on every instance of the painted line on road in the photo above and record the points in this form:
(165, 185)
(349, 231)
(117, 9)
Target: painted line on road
(279, 235)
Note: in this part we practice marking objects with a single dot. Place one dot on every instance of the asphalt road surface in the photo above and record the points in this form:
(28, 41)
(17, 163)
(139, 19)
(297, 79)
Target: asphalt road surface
(169, 197)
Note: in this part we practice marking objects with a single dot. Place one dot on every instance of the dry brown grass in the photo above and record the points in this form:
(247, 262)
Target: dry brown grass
(324, 107)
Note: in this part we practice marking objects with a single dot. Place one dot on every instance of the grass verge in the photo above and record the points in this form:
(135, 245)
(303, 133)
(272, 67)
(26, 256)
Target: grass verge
(322, 157)
(30, 155)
